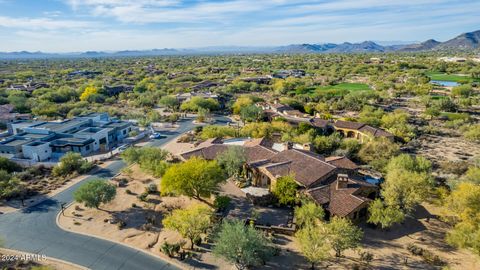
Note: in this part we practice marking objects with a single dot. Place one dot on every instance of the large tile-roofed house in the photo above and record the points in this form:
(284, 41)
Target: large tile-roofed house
(359, 131)
(255, 149)
(307, 167)
(345, 196)
(317, 176)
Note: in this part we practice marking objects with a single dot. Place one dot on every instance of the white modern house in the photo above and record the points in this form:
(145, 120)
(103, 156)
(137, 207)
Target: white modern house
(43, 141)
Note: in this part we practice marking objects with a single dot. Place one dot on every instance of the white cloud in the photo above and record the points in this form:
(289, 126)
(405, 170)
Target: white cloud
(42, 23)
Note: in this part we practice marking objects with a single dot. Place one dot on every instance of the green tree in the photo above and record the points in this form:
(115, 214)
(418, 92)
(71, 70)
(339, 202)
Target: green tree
(472, 175)
(377, 152)
(350, 147)
(215, 131)
(462, 208)
(198, 102)
(343, 235)
(150, 159)
(242, 245)
(383, 215)
(191, 223)
(327, 144)
(170, 102)
(195, 178)
(407, 182)
(250, 113)
(462, 91)
(232, 160)
(371, 116)
(10, 187)
(397, 123)
(241, 102)
(89, 91)
(314, 243)
(308, 213)
(69, 163)
(94, 193)
(285, 189)
(411, 163)
(9, 166)
(472, 133)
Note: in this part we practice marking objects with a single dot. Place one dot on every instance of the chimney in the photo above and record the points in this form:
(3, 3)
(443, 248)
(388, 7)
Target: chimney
(288, 146)
(307, 147)
(342, 181)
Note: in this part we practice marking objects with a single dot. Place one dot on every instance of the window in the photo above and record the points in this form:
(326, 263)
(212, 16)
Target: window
(87, 147)
(124, 132)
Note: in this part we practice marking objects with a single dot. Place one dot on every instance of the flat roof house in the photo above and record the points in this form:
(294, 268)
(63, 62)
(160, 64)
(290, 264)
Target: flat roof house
(40, 141)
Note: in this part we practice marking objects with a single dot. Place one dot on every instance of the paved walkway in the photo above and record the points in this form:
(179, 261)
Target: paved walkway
(34, 229)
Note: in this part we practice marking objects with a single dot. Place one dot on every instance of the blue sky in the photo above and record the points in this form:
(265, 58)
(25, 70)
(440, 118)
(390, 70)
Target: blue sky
(80, 25)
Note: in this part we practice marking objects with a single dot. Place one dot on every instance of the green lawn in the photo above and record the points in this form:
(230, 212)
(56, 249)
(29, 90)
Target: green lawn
(436, 76)
(455, 116)
(347, 86)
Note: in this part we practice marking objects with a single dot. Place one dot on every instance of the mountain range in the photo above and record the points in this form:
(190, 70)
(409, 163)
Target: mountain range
(465, 41)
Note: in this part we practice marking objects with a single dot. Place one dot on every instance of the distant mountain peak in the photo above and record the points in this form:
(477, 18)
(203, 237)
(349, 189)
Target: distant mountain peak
(470, 40)
(465, 41)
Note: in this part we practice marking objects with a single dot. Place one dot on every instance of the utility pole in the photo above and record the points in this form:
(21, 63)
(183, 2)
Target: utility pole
(63, 208)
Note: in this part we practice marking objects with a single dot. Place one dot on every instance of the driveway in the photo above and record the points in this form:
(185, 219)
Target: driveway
(34, 229)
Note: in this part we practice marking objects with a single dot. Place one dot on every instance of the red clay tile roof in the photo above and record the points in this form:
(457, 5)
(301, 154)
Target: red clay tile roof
(342, 162)
(258, 152)
(208, 152)
(259, 141)
(376, 132)
(281, 107)
(319, 123)
(348, 124)
(341, 201)
(307, 167)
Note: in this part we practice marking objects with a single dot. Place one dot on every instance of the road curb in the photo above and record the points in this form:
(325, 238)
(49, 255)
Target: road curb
(48, 258)
(165, 259)
(72, 183)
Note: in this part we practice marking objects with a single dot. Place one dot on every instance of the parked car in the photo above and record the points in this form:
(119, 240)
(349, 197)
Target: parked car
(155, 135)
(123, 148)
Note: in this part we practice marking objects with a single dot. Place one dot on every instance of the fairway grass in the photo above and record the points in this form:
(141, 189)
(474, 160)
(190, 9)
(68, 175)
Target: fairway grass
(347, 86)
(436, 76)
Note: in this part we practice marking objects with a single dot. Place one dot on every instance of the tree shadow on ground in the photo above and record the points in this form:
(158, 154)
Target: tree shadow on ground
(287, 260)
(44, 206)
(136, 217)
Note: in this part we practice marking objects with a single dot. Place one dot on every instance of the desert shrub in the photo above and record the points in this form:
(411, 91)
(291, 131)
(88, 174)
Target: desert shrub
(221, 202)
(70, 163)
(472, 133)
(214, 131)
(454, 167)
(143, 197)
(366, 256)
(151, 189)
(170, 249)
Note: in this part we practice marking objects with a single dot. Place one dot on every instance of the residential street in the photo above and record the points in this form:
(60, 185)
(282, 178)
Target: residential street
(34, 229)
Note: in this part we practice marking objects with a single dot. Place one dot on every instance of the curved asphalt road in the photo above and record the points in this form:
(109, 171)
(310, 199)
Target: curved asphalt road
(34, 229)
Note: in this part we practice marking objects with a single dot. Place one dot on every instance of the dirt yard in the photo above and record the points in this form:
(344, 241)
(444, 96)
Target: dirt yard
(444, 148)
(388, 247)
(137, 232)
(28, 264)
(47, 189)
